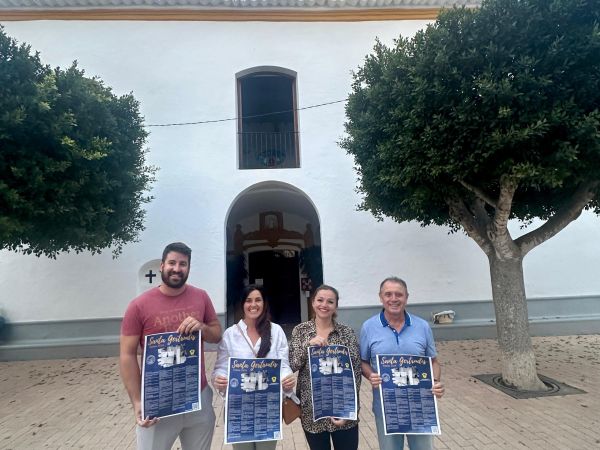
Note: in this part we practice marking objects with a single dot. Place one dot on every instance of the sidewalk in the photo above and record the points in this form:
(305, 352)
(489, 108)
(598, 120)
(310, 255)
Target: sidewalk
(81, 403)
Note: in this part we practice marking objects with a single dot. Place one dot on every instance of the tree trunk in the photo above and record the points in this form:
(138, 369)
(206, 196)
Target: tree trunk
(510, 303)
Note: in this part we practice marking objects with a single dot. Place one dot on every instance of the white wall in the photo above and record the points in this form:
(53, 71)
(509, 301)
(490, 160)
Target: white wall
(185, 71)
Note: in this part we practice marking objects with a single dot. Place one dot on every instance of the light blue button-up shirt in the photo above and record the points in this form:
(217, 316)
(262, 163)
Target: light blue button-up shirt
(377, 337)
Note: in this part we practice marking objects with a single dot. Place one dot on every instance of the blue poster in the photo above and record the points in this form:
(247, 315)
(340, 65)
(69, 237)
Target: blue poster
(332, 382)
(171, 374)
(407, 403)
(253, 400)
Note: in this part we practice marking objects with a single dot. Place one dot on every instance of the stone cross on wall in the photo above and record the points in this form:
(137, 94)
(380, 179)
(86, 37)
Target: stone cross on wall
(150, 275)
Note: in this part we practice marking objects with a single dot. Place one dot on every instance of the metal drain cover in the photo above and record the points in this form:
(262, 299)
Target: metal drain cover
(554, 387)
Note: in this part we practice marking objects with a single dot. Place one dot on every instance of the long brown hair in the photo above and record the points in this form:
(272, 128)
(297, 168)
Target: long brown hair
(263, 322)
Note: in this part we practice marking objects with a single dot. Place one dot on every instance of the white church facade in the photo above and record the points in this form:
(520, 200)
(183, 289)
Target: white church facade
(244, 102)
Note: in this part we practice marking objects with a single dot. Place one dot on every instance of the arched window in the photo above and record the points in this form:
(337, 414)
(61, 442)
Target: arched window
(267, 124)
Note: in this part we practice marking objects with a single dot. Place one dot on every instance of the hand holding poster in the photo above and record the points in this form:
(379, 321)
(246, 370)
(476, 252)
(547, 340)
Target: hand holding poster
(332, 382)
(171, 374)
(407, 403)
(253, 400)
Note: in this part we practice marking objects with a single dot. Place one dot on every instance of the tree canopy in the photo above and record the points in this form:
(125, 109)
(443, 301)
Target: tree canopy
(506, 93)
(73, 174)
(487, 115)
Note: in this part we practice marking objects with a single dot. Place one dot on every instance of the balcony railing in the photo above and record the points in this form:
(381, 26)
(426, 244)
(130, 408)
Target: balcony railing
(259, 150)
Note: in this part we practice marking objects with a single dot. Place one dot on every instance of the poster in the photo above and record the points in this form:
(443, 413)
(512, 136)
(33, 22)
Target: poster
(332, 382)
(407, 403)
(171, 374)
(253, 400)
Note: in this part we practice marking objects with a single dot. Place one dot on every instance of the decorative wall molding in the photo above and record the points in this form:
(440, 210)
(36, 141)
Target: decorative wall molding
(556, 316)
(559, 316)
(271, 232)
(228, 10)
(183, 15)
(233, 4)
(59, 339)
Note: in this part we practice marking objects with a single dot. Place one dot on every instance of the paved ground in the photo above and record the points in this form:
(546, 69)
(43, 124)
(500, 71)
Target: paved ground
(81, 404)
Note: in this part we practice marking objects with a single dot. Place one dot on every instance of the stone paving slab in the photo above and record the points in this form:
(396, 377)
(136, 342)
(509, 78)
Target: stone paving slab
(80, 403)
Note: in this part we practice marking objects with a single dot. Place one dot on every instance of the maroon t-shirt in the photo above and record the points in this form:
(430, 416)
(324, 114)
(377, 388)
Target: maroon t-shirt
(153, 312)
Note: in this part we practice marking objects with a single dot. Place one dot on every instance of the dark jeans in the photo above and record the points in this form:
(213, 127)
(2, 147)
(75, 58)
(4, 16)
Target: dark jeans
(342, 440)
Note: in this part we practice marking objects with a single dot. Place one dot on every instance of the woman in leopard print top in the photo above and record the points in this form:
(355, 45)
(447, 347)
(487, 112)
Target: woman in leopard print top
(324, 330)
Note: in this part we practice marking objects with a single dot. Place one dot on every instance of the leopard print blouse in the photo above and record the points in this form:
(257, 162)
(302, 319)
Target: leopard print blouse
(341, 335)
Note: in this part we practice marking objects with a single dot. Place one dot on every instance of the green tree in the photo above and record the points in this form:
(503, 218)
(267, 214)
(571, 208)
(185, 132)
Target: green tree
(487, 115)
(72, 166)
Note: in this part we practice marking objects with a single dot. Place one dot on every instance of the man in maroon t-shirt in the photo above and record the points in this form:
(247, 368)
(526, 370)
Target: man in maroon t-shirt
(172, 306)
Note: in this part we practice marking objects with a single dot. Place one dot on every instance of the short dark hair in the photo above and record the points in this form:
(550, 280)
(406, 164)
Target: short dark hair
(394, 280)
(178, 247)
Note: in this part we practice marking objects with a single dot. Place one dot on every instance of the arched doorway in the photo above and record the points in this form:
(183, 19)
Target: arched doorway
(273, 240)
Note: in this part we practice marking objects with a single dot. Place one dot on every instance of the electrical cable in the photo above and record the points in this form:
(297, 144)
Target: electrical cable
(200, 122)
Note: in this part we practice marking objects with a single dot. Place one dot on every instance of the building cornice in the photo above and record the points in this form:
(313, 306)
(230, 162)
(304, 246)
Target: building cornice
(227, 10)
(235, 4)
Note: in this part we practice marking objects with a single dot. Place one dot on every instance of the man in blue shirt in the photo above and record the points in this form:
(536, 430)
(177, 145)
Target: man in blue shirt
(394, 331)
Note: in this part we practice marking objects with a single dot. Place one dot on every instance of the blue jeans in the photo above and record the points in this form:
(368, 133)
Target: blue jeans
(396, 441)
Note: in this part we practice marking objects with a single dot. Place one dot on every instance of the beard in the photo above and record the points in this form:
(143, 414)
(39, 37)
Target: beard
(166, 278)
